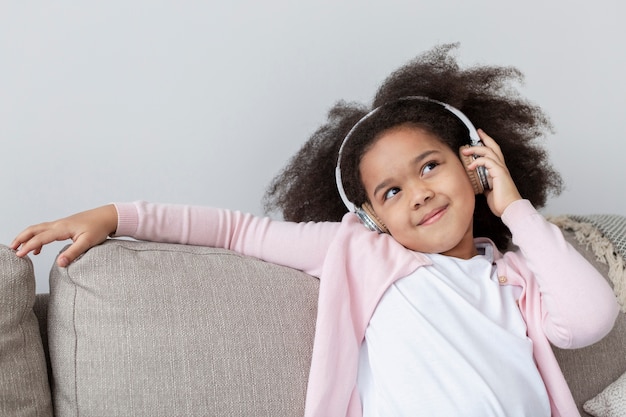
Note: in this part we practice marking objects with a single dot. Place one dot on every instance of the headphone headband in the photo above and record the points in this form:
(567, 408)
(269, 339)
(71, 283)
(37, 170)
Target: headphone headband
(473, 136)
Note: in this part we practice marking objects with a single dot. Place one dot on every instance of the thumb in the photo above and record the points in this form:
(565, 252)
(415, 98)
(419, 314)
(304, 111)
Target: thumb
(80, 246)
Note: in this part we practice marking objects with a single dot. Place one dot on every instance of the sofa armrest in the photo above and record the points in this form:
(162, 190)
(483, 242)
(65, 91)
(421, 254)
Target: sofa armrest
(144, 329)
(24, 389)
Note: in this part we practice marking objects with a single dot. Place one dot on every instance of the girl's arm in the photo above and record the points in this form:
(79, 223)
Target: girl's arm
(578, 305)
(298, 245)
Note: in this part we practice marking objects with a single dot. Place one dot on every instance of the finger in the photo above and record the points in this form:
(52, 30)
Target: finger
(23, 248)
(490, 143)
(481, 152)
(80, 246)
(491, 163)
(38, 240)
(24, 236)
(30, 232)
(485, 137)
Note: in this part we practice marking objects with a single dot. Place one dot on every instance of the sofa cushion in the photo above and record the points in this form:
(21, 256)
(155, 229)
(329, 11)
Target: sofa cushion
(24, 389)
(146, 329)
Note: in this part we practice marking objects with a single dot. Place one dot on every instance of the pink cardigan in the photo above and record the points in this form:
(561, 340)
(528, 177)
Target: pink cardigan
(564, 301)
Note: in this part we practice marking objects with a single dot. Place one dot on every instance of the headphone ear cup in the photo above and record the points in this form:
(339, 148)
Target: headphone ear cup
(370, 219)
(477, 184)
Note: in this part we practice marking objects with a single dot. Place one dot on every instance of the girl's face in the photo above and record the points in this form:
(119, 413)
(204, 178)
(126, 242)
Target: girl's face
(419, 188)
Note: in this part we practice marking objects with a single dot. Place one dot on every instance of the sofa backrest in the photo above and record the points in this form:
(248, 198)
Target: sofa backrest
(147, 329)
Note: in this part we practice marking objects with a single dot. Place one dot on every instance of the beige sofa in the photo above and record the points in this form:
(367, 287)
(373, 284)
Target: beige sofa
(146, 329)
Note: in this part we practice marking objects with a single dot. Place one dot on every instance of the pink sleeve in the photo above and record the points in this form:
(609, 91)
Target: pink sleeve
(301, 246)
(578, 305)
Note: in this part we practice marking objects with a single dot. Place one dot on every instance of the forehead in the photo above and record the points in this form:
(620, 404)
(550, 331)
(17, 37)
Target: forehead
(402, 142)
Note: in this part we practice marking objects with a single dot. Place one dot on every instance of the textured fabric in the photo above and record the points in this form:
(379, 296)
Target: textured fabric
(611, 402)
(41, 311)
(147, 329)
(613, 226)
(24, 389)
(565, 301)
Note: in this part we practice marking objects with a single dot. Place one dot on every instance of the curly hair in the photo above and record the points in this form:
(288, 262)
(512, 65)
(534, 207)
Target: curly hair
(305, 190)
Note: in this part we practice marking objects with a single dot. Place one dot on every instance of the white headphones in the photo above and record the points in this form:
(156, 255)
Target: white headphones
(478, 177)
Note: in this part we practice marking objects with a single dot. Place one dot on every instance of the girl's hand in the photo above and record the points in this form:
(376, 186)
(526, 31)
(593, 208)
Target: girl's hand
(503, 190)
(86, 229)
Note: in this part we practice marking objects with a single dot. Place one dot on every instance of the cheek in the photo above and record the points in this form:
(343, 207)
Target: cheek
(463, 181)
(399, 222)
(465, 193)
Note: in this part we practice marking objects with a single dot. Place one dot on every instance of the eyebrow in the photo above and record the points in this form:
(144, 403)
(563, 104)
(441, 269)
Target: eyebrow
(417, 160)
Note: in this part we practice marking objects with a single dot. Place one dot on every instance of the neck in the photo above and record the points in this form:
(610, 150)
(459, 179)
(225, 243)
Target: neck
(463, 251)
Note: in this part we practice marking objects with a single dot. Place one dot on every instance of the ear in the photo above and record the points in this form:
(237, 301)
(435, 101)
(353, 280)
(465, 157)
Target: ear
(471, 173)
(367, 208)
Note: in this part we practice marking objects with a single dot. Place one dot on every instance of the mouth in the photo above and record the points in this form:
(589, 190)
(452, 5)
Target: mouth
(433, 216)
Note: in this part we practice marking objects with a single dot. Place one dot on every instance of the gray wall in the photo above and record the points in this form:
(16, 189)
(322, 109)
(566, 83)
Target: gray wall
(203, 102)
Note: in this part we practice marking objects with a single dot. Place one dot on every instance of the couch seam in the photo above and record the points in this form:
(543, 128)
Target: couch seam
(182, 248)
(75, 353)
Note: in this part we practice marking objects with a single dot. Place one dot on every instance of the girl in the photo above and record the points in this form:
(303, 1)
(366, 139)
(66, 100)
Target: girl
(418, 317)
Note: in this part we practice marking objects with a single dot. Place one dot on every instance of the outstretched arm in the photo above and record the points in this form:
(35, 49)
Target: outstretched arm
(301, 246)
(298, 245)
(85, 229)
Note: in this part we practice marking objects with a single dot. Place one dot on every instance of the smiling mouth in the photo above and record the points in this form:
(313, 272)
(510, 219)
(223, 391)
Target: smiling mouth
(433, 216)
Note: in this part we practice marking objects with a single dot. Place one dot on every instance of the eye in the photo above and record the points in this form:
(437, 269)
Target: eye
(391, 193)
(429, 167)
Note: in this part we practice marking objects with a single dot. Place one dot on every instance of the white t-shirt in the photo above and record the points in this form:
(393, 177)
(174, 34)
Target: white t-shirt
(449, 340)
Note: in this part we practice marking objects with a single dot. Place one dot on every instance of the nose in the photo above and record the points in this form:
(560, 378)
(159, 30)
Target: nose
(420, 193)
